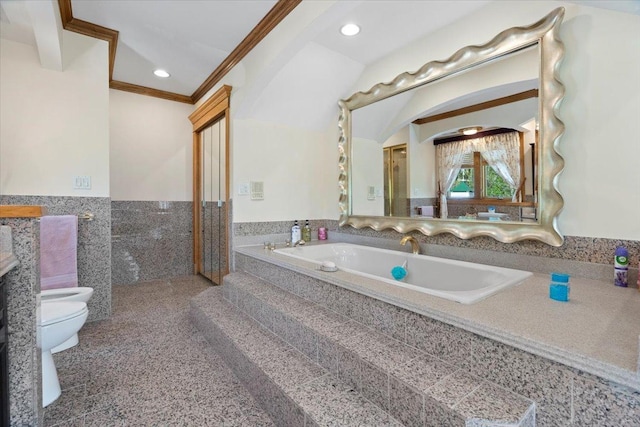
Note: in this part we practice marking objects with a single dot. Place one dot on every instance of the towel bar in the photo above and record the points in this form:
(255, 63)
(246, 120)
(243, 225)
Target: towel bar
(87, 216)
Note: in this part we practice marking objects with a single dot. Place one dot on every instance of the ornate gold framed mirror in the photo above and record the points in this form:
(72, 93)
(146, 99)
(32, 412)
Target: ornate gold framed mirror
(508, 90)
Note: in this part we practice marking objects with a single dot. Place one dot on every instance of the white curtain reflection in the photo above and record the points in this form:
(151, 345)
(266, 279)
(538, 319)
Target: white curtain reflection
(502, 153)
(450, 157)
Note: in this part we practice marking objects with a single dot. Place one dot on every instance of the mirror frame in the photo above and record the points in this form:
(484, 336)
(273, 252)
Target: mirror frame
(545, 32)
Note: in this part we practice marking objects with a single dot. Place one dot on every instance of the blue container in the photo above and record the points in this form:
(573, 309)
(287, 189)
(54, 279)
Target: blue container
(559, 287)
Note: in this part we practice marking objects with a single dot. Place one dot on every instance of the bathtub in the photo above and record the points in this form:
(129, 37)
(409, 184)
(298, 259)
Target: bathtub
(459, 281)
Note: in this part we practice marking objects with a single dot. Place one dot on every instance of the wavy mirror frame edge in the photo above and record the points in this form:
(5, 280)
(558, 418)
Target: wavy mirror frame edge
(550, 164)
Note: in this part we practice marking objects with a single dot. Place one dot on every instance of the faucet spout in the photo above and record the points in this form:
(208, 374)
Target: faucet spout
(415, 246)
(299, 243)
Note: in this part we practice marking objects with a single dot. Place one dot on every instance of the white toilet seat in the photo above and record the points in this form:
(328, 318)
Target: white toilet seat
(67, 294)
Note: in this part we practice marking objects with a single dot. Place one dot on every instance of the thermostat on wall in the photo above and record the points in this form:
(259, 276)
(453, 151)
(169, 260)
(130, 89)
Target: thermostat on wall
(257, 190)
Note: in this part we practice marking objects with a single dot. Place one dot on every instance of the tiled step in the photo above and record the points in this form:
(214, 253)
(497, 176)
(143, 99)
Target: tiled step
(412, 386)
(294, 390)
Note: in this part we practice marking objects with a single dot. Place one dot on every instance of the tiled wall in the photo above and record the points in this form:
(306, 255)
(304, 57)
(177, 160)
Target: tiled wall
(23, 286)
(455, 210)
(150, 240)
(420, 201)
(94, 243)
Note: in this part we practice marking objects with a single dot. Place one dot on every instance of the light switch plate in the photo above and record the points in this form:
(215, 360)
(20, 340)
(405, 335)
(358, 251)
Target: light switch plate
(371, 192)
(243, 189)
(82, 182)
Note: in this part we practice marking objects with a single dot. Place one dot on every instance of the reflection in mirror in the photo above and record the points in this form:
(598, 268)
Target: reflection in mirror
(464, 145)
(485, 116)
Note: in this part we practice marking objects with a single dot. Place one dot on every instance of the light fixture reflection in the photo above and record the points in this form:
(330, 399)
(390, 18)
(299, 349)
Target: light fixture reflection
(349, 30)
(470, 131)
(161, 73)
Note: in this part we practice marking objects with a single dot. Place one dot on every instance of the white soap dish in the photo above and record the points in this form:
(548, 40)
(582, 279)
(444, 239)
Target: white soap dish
(328, 266)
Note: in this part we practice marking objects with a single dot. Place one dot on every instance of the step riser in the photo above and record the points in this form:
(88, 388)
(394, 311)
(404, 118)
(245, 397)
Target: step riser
(391, 394)
(400, 400)
(267, 394)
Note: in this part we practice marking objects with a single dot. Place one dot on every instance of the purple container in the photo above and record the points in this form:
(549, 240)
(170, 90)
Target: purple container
(621, 267)
(322, 233)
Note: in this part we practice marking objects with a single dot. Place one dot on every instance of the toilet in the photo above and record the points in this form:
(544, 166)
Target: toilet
(59, 321)
(80, 294)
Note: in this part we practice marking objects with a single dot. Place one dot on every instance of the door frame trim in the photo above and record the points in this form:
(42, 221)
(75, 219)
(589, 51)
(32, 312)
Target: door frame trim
(213, 109)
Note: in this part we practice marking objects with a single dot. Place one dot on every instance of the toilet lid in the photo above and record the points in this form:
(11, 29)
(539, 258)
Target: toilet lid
(53, 312)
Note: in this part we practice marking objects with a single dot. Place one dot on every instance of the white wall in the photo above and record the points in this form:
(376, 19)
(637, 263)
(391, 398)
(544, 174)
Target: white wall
(296, 166)
(602, 104)
(54, 125)
(366, 171)
(150, 148)
(422, 165)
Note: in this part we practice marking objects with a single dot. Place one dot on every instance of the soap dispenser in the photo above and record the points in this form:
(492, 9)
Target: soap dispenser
(306, 232)
(295, 232)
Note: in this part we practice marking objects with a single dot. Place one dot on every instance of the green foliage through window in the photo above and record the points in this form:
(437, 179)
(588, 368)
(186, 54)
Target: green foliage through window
(495, 186)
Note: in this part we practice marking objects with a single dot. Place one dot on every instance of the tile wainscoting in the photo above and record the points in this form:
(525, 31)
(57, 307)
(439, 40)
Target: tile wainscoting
(94, 243)
(23, 287)
(150, 240)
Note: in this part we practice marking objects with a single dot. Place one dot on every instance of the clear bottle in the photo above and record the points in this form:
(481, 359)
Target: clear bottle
(295, 232)
(306, 232)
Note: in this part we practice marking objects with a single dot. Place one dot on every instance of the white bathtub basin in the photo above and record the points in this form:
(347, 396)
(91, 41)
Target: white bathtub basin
(459, 281)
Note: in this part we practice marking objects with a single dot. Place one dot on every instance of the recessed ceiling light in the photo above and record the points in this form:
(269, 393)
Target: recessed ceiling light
(350, 30)
(161, 73)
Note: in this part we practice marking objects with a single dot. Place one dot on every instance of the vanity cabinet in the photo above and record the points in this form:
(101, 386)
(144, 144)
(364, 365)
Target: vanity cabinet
(4, 362)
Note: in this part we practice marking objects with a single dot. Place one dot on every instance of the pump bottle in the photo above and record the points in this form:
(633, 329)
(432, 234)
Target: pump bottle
(295, 232)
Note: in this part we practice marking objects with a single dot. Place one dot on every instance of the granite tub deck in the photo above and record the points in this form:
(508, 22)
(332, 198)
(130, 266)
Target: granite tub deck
(496, 339)
(308, 365)
(597, 331)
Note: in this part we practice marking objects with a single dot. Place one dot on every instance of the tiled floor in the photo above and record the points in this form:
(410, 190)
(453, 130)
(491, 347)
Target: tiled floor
(148, 366)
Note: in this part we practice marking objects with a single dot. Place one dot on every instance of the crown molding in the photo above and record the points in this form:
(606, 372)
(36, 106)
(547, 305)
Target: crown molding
(143, 90)
(259, 32)
(70, 23)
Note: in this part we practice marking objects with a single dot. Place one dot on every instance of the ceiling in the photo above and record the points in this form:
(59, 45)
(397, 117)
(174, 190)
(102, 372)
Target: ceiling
(187, 38)
(190, 39)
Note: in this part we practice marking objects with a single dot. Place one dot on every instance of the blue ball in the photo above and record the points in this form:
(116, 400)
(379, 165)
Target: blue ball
(398, 272)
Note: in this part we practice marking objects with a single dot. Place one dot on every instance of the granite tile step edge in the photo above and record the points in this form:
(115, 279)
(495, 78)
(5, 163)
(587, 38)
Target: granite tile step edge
(293, 390)
(412, 386)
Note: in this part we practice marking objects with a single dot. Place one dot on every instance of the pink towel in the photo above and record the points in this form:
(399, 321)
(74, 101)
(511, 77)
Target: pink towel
(58, 247)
